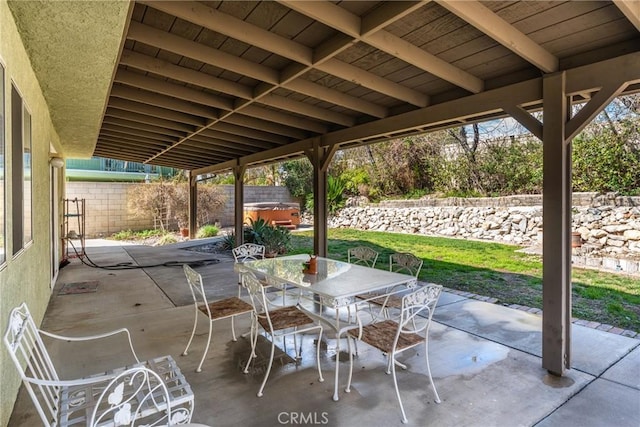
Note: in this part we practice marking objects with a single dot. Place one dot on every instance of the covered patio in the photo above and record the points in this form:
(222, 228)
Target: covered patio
(485, 358)
(212, 87)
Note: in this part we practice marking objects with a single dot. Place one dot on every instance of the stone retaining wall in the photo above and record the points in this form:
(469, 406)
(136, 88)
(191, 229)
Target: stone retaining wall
(608, 233)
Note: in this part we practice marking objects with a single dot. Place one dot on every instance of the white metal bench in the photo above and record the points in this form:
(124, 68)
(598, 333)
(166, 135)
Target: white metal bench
(73, 402)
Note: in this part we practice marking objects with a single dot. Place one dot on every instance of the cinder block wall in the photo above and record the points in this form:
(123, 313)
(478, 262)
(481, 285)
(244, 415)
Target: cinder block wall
(106, 209)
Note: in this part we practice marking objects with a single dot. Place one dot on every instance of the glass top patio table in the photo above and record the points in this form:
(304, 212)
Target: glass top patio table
(336, 283)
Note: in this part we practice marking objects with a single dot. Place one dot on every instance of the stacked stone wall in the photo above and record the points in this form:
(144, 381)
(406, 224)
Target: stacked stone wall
(609, 227)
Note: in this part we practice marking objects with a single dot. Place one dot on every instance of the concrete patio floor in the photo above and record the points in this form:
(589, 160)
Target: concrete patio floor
(485, 358)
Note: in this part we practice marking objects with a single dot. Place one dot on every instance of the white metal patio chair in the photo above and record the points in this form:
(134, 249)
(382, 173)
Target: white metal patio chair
(73, 402)
(246, 252)
(216, 310)
(250, 252)
(137, 397)
(394, 337)
(276, 322)
(362, 255)
(400, 262)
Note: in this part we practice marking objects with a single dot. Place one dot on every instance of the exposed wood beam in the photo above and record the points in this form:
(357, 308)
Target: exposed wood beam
(176, 72)
(172, 43)
(630, 9)
(342, 20)
(107, 133)
(142, 126)
(422, 59)
(238, 29)
(137, 132)
(124, 144)
(589, 111)
(265, 121)
(216, 144)
(196, 149)
(525, 118)
(250, 133)
(163, 101)
(270, 42)
(158, 112)
(501, 31)
(235, 139)
(306, 110)
(171, 89)
(336, 97)
(289, 125)
(387, 13)
(163, 68)
(369, 80)
(143, 118)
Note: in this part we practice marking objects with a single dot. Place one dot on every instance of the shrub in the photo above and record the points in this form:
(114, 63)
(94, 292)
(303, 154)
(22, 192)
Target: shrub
(229, 241)
(167, 239)
(207, 231)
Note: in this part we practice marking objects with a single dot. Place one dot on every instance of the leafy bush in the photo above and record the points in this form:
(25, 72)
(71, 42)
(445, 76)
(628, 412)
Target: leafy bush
(606, 161)
(275, 239)
(335, 195)
(229, 241)
(207, 231)
(298, 177)
(166, 239)
(255, 231)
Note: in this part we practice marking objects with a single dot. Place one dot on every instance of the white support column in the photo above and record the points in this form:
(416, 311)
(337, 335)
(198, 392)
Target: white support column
(238, 173)
(556, 218)
(193, 205)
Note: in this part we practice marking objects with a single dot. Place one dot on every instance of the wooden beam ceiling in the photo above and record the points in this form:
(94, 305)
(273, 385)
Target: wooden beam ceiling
(246, 83)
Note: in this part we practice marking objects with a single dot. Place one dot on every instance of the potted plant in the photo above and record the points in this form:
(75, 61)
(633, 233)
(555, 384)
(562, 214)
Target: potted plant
(275, 240)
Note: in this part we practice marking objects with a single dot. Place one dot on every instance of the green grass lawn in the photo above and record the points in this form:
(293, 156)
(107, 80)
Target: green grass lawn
(495, 270)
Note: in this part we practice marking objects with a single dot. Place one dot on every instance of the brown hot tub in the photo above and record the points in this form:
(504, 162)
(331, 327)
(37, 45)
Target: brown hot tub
(284, 214)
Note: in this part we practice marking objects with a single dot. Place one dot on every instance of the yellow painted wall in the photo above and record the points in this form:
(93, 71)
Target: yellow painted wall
(25, 277)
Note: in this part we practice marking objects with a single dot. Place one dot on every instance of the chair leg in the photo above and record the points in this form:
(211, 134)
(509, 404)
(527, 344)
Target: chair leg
(395, 383)
(426, 356)
(266, 375)
(206, 349)
(253, 339)
(193, 332)
(233, 328)
(348, 389)
(297, 349)
(320, 378)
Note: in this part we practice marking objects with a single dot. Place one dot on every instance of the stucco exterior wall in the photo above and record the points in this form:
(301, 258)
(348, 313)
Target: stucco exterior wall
(25, 276)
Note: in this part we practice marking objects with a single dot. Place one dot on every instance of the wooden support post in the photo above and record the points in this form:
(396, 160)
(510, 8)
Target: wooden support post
(320, 157)
(238, 173)
(556, 219)
(193, 205)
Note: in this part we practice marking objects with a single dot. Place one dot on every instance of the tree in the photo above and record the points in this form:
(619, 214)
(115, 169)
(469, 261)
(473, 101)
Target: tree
(298, 178)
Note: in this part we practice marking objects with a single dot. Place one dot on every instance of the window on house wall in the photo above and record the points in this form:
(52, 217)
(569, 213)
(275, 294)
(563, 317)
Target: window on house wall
(20, 172)
(2, 180)
(27, 186)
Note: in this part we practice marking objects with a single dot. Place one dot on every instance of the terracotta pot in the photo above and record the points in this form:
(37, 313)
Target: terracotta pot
(184, 232)
(576, 240)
